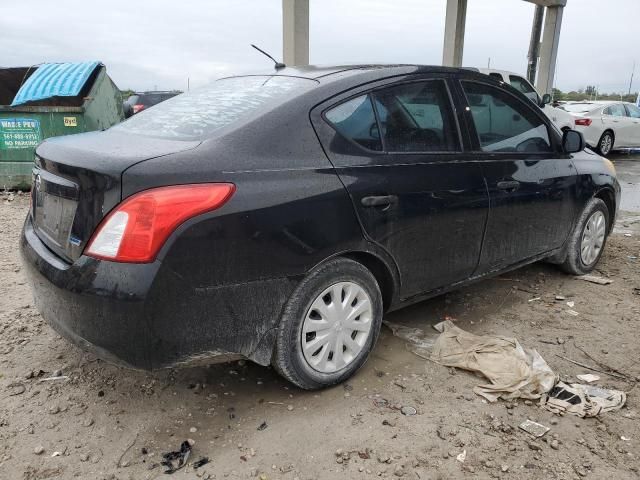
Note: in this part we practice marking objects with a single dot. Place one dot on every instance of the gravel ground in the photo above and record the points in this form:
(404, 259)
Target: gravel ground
(105, 422)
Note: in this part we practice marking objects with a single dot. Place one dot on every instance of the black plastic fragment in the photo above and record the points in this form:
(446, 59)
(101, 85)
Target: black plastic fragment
(174, 461)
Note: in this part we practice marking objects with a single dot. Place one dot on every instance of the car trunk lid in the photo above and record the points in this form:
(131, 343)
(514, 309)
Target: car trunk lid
(77, 181)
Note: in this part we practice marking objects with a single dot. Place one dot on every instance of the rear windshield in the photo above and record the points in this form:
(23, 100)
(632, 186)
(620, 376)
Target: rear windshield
(578, 107)
(195, 115)
(151, 99)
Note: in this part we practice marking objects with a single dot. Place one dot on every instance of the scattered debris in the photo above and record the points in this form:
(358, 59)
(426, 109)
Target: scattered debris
(262, 426)
(133, 442)
(416, 337)
(200, 463)
(535, 429)
(613, 374)
(588, 377)
(512, 370)
(582, 400)
(53, 379)
(595, 279)
(174, 461)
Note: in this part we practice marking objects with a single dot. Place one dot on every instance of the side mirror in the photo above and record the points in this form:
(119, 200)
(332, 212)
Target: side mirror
(572, 141)
(546, 98)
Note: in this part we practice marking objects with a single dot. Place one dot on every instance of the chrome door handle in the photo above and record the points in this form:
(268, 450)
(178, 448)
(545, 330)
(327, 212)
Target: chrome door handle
(509, 185)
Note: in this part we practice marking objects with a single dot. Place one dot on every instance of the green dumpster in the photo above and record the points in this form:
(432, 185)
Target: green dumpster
(48, 101)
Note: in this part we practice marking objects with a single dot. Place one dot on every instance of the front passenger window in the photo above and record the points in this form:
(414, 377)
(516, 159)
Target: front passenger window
(504, 124)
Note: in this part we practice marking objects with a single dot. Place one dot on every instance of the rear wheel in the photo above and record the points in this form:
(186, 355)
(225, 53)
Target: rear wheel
(329, 326)
(588, 238)
(605, 144)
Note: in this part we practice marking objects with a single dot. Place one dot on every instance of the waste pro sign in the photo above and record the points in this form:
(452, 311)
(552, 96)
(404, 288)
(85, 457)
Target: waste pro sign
(17, 133)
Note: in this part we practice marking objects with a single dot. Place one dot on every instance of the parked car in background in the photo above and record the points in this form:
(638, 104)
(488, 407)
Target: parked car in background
(276, 217)
(140, 101)
(559, 117)
(606, 125)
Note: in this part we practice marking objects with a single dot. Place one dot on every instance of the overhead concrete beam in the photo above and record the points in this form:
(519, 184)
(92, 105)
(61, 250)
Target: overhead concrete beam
(295, 32)
(455, 21)
(549, 3)
(549, 49)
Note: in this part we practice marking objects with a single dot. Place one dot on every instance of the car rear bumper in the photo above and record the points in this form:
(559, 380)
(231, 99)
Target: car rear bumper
(146, 317)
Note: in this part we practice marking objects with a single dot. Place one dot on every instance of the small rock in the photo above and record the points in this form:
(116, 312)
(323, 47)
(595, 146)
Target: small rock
(560, 340)
(39, 450)
(504, 468)
(560, 298)
(389, 423)
(534, 446)
(88, 422)
(408, 410)
(84, 457)
(290, 407)
(193, 429)
(399, 471)
(57, 373)
(489, 464)
(554, 444)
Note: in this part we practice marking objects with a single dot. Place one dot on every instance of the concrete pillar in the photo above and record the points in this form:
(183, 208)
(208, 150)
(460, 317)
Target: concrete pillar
(549, 48)
(454, 33)
(295, 32)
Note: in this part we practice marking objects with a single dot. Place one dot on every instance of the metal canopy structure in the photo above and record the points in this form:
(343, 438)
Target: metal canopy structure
(295, 35)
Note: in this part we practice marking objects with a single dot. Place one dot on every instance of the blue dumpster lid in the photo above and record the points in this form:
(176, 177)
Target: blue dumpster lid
(55, 80)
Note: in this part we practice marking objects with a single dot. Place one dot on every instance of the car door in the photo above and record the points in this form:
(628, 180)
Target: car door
(614, 118)
(397, 148)
(532, 184)
(633, 125)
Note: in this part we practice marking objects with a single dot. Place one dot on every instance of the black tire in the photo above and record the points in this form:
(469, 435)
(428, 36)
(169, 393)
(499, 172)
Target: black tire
(573, 262)
(288, 358)
(605, 144)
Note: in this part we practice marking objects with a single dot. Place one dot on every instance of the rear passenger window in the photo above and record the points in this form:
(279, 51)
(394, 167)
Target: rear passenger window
(417, 117)
(616, 110)
(504, 124)
(355, 120)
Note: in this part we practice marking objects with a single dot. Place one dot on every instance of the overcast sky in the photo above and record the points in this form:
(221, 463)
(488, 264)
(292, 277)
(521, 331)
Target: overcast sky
(150, 44)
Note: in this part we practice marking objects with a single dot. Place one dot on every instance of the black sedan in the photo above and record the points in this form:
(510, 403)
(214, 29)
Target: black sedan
(277, 217)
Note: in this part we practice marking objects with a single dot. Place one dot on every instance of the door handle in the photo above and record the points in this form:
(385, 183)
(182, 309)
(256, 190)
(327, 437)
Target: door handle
(379, 201)
(509, 185)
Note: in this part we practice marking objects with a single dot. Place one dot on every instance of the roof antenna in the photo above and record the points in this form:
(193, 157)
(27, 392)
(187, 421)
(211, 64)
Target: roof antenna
(278, 64)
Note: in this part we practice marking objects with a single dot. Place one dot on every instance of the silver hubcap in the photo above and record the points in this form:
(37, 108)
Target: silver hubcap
(605, 144)
(593, 238)
(336, 327)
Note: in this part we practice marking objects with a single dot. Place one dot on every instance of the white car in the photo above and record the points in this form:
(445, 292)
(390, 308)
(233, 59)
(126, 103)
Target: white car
(606, 125)
(560, 118)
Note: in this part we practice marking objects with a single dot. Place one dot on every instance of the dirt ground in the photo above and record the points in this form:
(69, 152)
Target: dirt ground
(105, 422)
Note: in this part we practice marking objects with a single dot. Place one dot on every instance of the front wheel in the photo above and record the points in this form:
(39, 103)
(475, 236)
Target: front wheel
(329, 325)
(605, 144)
(588, 238)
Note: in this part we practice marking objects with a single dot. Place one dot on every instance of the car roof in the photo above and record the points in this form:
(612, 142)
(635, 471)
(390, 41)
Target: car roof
(328, 73)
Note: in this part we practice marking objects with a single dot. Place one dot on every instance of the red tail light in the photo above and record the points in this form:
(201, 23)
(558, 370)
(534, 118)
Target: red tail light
(136, 229)
(138, 107)
(583, 122)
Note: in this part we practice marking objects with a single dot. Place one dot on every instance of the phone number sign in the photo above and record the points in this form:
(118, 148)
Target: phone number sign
(17, 133)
